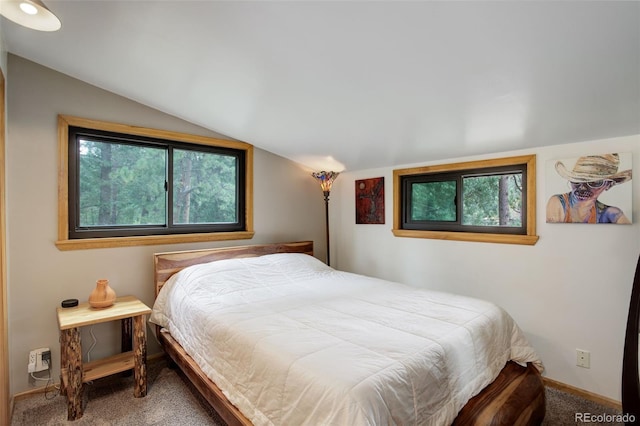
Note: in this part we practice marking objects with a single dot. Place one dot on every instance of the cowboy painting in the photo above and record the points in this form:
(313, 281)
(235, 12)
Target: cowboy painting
(590, 178)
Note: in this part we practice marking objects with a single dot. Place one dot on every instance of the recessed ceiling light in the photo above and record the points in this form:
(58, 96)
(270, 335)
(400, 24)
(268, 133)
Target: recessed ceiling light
(30, 13)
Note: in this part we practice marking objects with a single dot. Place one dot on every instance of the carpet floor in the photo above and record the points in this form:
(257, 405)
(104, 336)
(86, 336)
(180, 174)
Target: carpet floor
(172, 400)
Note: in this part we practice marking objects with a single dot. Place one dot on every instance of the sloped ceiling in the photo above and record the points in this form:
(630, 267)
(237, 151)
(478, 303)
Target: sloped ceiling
(357, 84)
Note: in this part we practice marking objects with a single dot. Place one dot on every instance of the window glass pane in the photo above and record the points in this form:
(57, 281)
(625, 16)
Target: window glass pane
(433, 201)
(493, 200)
(120, 184)
(205, 187)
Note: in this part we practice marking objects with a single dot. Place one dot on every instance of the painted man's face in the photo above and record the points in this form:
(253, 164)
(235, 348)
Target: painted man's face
(584, 191)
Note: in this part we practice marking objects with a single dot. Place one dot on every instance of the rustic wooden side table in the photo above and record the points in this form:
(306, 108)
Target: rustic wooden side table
(74, 373)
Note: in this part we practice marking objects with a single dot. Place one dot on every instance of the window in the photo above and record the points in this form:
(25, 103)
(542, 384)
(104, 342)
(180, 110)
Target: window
(123, 185)
(489, 200)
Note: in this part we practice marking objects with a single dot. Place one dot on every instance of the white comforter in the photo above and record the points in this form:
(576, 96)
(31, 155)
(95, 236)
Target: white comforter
(291, 341)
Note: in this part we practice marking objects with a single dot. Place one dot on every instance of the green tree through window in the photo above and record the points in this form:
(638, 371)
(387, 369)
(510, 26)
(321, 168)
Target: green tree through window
(494, 200)
(486, 200)
(433, 201)
(122, 185)
(204, 187)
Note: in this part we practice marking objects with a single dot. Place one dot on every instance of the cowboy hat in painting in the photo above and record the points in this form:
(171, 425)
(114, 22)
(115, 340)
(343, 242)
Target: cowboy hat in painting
(595, 168)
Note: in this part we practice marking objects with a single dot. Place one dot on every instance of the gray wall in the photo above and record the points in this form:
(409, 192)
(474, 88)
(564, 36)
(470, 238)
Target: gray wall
(288, 206)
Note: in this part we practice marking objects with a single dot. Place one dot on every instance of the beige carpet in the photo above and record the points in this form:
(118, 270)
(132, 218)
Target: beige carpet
(565, 409)
(172, 400)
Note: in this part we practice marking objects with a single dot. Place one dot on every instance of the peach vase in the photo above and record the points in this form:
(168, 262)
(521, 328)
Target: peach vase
(102, 296)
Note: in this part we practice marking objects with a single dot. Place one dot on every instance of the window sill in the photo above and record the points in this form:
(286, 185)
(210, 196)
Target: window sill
(468, 236)
(91, 243)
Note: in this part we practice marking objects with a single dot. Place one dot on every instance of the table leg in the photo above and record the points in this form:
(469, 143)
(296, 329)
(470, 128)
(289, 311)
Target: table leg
(74, 373)
(125, 341)
(139, 357)
(64, 363)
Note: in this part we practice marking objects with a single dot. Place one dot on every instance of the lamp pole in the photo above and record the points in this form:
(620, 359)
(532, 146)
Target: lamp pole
(326, 215)
(325, 179)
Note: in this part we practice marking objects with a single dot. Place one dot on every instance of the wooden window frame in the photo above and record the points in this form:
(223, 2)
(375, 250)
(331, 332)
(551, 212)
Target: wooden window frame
(64, 242)
(529, 239)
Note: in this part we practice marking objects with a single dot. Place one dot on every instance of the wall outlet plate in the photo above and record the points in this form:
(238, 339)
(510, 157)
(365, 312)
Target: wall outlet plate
(35, 360)
(583, 358)
(31, 367)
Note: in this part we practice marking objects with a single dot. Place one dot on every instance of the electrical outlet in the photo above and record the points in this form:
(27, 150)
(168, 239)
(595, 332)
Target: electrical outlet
(38, 362)
(32, 362)
(583, 358)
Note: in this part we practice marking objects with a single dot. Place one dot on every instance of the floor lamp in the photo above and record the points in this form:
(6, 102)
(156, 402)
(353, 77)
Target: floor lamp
(325, 179)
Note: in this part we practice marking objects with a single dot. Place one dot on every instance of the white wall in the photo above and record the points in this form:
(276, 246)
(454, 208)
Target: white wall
(288, 206)
(570, 290)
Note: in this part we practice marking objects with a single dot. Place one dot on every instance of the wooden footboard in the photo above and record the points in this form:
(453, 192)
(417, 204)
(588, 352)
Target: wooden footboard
(515, 398)
(630, 374)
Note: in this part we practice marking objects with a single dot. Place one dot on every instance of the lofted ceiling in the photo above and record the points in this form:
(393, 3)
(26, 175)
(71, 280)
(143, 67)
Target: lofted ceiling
(358, 84)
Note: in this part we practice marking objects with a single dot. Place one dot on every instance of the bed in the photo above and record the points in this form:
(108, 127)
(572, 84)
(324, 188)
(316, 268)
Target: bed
(271, 336)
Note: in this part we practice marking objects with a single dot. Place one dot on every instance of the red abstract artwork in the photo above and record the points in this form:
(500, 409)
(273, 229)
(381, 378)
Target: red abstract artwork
(370, 201)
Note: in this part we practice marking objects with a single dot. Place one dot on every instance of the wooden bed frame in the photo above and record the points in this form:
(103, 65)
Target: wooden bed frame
(516, 397)
(630, 374)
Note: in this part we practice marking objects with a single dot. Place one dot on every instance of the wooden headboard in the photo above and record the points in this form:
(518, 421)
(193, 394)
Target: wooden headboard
(167, 264)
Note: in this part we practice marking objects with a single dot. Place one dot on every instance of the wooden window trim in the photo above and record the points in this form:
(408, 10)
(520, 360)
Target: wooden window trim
(6, 402)
(64, 243)
(529, 239)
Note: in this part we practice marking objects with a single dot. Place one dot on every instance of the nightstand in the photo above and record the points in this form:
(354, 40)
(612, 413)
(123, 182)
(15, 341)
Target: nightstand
(74, 373)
